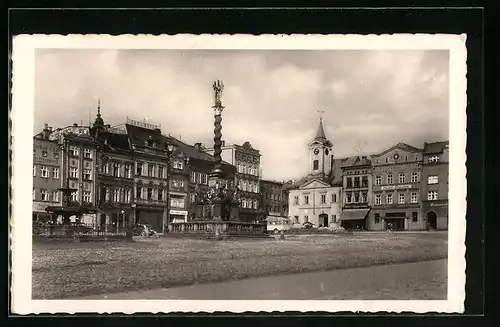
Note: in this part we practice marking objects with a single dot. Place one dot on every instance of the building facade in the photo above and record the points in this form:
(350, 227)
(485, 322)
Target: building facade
(47, 179)
(435, 184)
(316, 198)
(246, 159)
(79, 166)
(357, 199)
(396, 194)
(272, 198)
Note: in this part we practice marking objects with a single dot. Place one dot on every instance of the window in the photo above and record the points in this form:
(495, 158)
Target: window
(243, 203)
(205, 180)
(150, 193)
(378, 180)
(116, 169)
(73, 151)
(401, 178)
(348, 196)
(73, 172)
(45, 172)
(433, 179)
(364, 197)
(138, 192)
(160, 172)
(414, 216)
(295, 219)
(255, 190)
(55, 196)
(432, 195)
(356, 182)
(377, 218)
(433, 159)
(55, 173)
(401, 198)
(306, 219)
(87, 197)
(74, 196)
(315, 164)
(139, 169)
(44, 154)
(105, 168)
(334, 218)
(323, 198)
(34, 194)
(34, 171)
(296, 200)
(44, 195)
(356, 197)
(127, 196)
(87, 153)
(151, 170)
(364, 181)
(389, 179)
(126, 171)
(390, 198)
(178, 165)
(255, 204)
(414, 177)
(349, 182)
(414, 197)
(378, 199)
(87, 174)
(160, 194)
(240, 169)
(193, 177)
(306, 199)
(116, 195)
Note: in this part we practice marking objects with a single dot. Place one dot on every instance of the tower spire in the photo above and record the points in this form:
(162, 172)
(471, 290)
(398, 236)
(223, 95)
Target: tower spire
(99, 122)
(320, 132)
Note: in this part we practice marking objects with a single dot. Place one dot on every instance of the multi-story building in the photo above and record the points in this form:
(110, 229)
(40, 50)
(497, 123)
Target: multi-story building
(115, 162)
(357, 201)
(435, 185)
(272, 198)
(79, 165)
(396, 175)
(47, 179)
(247, 161)
(200, 166)
(316, 197)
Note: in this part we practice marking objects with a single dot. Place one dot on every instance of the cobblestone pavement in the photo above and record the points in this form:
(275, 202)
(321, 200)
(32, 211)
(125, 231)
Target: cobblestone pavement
(412, 281)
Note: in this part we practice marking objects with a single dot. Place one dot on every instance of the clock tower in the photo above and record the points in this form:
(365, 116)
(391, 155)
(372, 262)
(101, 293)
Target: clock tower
(320, 153)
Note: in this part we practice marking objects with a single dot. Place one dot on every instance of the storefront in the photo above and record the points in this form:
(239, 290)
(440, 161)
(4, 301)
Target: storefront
(354, 218)
(39, 214)
(436, 214)
(177, 216)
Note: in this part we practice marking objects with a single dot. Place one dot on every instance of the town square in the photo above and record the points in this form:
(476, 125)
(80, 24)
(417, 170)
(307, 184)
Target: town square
(241, 175)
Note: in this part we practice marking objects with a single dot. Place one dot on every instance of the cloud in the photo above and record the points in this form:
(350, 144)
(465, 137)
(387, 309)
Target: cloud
(371, 99)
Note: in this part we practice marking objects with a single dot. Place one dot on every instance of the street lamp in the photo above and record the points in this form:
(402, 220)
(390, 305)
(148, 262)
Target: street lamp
(169, 151)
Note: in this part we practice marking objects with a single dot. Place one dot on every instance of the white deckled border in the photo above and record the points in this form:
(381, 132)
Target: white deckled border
(22, 115)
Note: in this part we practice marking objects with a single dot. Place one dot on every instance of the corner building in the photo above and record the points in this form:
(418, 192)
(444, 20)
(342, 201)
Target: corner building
(396, 176)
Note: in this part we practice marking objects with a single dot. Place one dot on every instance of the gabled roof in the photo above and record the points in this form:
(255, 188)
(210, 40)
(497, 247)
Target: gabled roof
(401, 146)
(312, 180)
(435, 147)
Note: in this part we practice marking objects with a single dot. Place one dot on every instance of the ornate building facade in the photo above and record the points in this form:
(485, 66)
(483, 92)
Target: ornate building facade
(316, 198)
(396, 194)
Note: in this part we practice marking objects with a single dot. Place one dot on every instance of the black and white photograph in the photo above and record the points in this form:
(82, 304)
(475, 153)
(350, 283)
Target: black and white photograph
(239, 173)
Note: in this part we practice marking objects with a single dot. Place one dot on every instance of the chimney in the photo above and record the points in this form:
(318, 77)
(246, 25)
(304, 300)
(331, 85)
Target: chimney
(223, 143)
(75, 124)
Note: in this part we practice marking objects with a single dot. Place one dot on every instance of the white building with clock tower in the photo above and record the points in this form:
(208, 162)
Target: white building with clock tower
(316, 198)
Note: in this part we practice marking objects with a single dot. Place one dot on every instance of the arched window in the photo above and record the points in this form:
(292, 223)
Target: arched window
(315, 164)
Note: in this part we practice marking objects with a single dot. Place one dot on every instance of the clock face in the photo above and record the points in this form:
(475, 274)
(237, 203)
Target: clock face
(396, 156)
(316, 151)
(326, 151)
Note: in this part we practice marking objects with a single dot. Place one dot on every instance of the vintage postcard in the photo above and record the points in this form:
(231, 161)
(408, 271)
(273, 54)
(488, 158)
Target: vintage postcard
(206, 173)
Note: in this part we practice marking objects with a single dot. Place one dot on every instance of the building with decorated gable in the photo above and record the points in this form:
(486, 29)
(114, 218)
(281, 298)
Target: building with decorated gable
(396, 189)
(357, 199)
(79, 166)
(435, 184)
(316, 198)
(47, 179)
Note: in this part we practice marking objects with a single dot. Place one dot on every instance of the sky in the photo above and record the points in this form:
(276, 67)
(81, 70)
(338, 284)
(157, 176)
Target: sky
(372, 99)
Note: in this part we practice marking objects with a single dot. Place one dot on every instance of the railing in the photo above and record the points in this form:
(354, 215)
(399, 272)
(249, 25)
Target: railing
(228, 228)
(79, 231)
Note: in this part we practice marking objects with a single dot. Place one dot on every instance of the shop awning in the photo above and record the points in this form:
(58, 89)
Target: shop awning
(354, 214)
